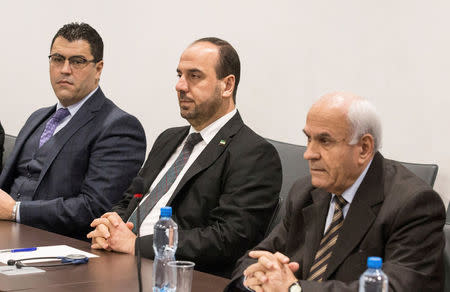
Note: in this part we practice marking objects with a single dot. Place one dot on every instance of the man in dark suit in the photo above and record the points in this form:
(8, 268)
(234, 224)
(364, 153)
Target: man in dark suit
(225, 194)
(2, 148)
(354, 205)
(73, 161)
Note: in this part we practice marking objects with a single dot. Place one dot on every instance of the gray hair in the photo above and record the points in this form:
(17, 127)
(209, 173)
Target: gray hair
(364, 119)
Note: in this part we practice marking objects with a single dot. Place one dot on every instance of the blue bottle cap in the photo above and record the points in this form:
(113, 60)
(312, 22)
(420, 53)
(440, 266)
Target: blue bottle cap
(374, 262)
(166, 212)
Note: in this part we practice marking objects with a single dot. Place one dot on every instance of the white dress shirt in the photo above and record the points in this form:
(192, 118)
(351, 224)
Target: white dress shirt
(348, 195)
(207, 134)
(72, 111)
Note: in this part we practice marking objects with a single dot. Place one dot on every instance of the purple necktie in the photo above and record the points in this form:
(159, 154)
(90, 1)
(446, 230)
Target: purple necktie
(52, 124)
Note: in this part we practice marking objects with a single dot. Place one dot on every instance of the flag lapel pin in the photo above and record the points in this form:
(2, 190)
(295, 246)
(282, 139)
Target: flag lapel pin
(222, 142)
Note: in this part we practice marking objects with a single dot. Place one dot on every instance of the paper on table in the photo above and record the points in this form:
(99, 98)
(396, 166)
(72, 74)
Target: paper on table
(12, 270)
(44, 251)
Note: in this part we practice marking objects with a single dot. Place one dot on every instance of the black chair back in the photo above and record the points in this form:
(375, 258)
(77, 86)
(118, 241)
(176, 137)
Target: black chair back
(294, 167)
(8, 146)
(427, 172)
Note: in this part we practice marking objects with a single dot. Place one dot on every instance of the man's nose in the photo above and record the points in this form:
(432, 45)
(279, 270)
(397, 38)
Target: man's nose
(66, 69)
(181, 85)
(311, 152)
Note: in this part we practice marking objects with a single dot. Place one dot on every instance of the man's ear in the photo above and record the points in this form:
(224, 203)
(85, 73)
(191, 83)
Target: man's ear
(367, 146)
(99, 68)
(228, 86)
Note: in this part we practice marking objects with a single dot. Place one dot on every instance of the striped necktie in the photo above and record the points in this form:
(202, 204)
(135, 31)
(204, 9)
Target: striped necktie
(166, 181)
(329, 239)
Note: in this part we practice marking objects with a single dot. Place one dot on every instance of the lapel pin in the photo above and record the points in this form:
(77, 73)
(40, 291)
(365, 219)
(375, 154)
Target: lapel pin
(222, 142)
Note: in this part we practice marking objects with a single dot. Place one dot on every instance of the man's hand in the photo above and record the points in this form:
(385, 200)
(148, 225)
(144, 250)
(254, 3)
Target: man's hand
(111, 233)
(6, 206)
(272, 272)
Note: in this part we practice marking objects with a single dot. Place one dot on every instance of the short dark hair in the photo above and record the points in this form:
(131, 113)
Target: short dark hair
(82, 31)
(228, 62)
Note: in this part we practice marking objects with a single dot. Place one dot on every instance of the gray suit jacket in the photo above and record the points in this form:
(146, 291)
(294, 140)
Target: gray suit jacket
(394, 215)
(96, 156)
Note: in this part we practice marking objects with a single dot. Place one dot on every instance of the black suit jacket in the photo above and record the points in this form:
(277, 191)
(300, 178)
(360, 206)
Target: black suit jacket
(2, 141)
(225, 200)
(394, 215)
(96, 155)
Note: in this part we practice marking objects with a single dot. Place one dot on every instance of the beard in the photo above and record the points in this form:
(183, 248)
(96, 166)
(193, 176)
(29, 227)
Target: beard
(198, 114)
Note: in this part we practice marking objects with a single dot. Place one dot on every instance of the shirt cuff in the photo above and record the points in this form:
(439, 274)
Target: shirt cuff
(18, 213)
(242, 283)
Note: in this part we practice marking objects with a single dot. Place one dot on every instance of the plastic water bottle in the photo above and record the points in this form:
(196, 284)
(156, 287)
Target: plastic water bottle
(373, 279)
(165, 240)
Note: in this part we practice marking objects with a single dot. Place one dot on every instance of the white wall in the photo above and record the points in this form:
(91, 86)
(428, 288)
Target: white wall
(396, 53)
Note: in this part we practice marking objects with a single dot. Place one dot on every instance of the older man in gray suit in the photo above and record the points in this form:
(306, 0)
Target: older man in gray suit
(72, 161)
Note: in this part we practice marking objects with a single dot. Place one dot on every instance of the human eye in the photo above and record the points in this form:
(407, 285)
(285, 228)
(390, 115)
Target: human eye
(326, 141)
(77, 60)
(57, 59)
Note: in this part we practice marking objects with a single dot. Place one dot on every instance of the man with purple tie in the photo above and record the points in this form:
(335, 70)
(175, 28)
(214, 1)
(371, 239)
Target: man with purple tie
(72, 162)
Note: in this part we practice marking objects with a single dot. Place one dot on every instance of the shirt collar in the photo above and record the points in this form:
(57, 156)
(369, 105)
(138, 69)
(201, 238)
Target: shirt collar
(75, 107)
(211, 130)
(349, 193)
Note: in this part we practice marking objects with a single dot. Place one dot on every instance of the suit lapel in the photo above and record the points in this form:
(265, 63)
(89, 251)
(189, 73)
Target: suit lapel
(212, 151)
(360, 216)
(315, 217)
(164, 150)
(23, 137)
(85, 114)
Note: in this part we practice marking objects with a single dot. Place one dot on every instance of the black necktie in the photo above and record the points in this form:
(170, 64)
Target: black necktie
(167, 180)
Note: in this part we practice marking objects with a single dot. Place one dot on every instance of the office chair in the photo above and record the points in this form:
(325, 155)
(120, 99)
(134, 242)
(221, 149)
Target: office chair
(294, 167)
(8, 145)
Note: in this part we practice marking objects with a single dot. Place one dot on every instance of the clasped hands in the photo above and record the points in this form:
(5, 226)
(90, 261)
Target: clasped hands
(6, 205)
(111, 233)
(272, 272)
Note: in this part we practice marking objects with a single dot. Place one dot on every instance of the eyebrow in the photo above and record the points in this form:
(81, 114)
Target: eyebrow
(195, 70)
(320, 135)
(59, 55)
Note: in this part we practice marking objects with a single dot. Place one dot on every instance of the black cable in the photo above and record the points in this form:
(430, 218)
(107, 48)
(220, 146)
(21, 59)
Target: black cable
(138, 219)
(139, 182)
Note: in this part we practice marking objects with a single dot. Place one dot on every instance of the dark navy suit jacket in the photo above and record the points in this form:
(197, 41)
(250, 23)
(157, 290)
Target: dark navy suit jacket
(95, 158)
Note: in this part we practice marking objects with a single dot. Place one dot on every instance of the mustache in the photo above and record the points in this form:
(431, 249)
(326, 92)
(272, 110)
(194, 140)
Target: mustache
(183, 97)
(64, 80)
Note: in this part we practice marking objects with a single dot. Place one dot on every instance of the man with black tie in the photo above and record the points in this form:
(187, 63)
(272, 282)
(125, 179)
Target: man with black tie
(223, 191)
(354, 205)
(73, 161)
